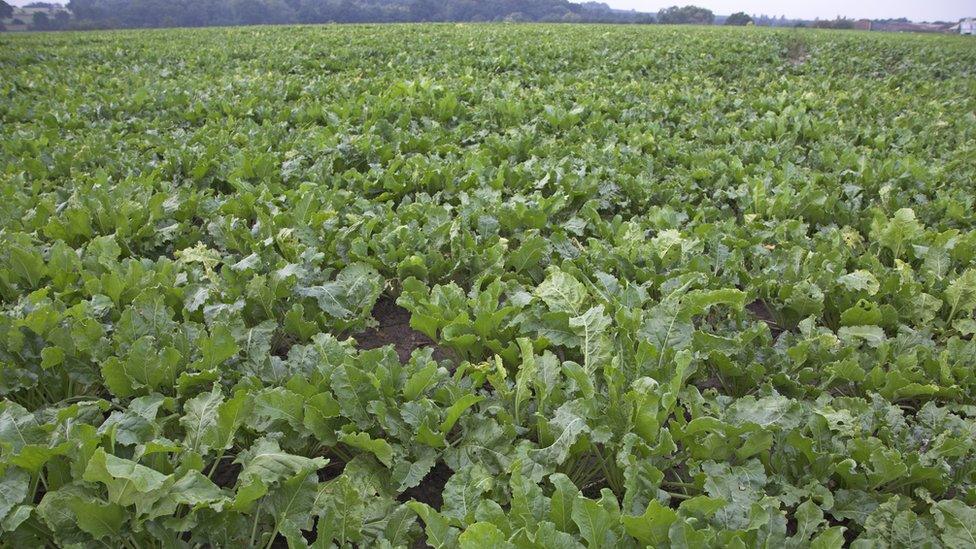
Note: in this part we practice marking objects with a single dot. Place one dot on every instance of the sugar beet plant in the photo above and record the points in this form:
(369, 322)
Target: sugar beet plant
(682, 288)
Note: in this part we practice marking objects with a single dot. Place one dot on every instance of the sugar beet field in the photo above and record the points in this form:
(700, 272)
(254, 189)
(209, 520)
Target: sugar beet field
(502, 286)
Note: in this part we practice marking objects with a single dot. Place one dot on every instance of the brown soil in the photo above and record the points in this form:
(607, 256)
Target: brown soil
(797, 52)
(226, 473)
(761, 311)
(430, 490)
(394, 329)
(330, 471)
(712, 382)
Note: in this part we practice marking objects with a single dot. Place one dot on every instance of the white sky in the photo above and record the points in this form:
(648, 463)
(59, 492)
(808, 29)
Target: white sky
(916, 10)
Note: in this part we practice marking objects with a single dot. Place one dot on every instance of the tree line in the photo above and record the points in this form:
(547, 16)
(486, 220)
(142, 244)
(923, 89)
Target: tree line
(194, 13)
(95, 14)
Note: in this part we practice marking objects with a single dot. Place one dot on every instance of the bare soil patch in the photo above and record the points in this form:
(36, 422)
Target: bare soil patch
(761, 311)
(394, 329)
(431, 489)
(796, 51)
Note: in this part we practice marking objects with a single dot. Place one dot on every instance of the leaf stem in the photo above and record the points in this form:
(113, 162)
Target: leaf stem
(254, 526)
(680, 484)
(216, 462)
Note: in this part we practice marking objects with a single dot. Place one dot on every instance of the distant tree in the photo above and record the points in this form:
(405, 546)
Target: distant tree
(738, 19)
(154, 13)
(86, 9)
(686, 15)
(843, 23)
(838, 23)
(252, 12)
(6, 10)
(425, 10)
(40, 21)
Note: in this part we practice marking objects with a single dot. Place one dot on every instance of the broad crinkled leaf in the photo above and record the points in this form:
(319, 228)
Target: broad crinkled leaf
(463, 491)
(562, 293)
(13, 489)
(101, 520)
(128, 482)
(265, 464)
(957, 521)
(355, 288)
(378, 447)
(739, 485)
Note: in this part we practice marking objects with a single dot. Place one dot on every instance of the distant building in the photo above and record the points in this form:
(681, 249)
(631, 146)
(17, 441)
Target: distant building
(862, 24)
(22, 18)
(900, 26)
(967, 26)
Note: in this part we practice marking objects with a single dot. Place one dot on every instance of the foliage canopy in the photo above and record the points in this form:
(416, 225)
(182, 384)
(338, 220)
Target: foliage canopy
(685, 287)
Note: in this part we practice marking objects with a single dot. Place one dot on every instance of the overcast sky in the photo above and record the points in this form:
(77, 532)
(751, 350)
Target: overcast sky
(916, 10)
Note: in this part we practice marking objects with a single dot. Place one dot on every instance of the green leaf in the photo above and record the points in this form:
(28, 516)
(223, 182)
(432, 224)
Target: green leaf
(808, 518)
(96, 518)
(195, 489)
(961, 294)
(33, 457)
(567, 425)
(420, 382)
(279, 404)
(860, 281)
(378, 447)
(19, 428)
(591, 327)
(354, 290)
(532, 252)
(216, 348)
(128, 482)
(831, 538)
(652, 527)
(594, 522)
(145, 366)
(292, 504)
(698, 302)
(399, 525)
(319, 412)
(455, 410)
(463, 491)
(13, 489)
(863, 313)
(16, 517)
(562, 293)
(410, 474)
(483, 534)
(739, 485)
(199, 420)
(563, 500)
(51, 357)
(27, 263)
(873, 336)
(957, 521)
(440, 534)
(264, 465)
(701, 506)
(899, 231)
